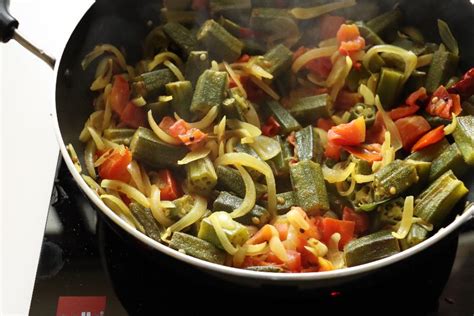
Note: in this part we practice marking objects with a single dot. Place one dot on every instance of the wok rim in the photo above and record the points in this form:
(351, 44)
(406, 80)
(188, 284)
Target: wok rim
(443, 232)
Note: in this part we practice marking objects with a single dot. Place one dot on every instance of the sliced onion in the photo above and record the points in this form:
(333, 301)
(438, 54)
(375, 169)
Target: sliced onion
(424, 60)
(252, 130)
(337, 175)
(276, 246)
(407, 217)
(93, 185)
(221, 235)
(206, 121)
(74, 157)
(314, 53)
(360, 178)
(175, 70)
(197, 211)
(214, 147)
(367, 94)
(266, 88)
(103, 75)
(162, 57)
(120, 208)
(297, 220)
(312, 12)
(89, 153)
(219, 130)
(194, 155)
(134, 169)
(316, 247)
(97, 139)
(258, 249)
(161, 134)
(266, 147)
(390, 125)
(107, 113)
(254, 163)
(235, 78)
(335, 256)
(251, 115)
(347, 192)
(248, 202)
(328, 42)
(101, 49)
(156, 208)
(449, 129)
(341, 79)
(230, 144)
(126, 189)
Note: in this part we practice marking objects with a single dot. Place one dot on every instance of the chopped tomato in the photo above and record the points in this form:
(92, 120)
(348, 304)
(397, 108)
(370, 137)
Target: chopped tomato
(367, 152)
(294, 261)
(411, 129)
(192, 136)
(415, 97)
(168, 186)
(181, 130)
(332, 151)
(403, 111)
(457, 109)
(441, 103)
(465, 86)
(180, 127)
(166, 123)
(376, 134)
(115, 166)
(360, 219)
(349, 39)
(350, 134)
(254, 93)
(325, 124)
(119, 94)
(271, 127)
(330, 24)
(330, 226)
(263, 234)
(282, 229)
(244, 58)
(346, 100)
(133, 116)
(320, 66)
(430, 138)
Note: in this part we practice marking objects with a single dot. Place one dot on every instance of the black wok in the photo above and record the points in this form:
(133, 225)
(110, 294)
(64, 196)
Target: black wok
(124, 24)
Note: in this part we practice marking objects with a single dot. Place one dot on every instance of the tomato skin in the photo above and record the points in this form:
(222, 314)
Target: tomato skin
(376, 134)
(350, 134)
(419, 95)
(403, 111)
(329, 226)
(430, 138)
(119, 94)
(411, 129)
(349, 39)
(271, 127)
(360, 219)
(325, 124)
(115, 166)
(294, 261)
(133, 116)
(169, 189)
(443, 104)
(367, 152)
(332, 151)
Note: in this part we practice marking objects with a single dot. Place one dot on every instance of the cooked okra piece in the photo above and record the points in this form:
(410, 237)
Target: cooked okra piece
(390, 213)
(221, 44)
(431, 152)
(285, 201)
(464, 137)
(177, 4)
(277, 60)
(197, 248)
(281, 163)
(227, 202)
(389, 86)
(180, 36)
(370, 248)
(394, 179)
(230, 26)
(229, 179)
(310, 109)
(235, 232)
(450, 159)
(143, 215)
(182, 93)
(159, 109)
(364, 110)
(234, 10)
(436, 202)
(152, 83)
(386, 24)
(308, 145)
(201, 176)
(273, 22)
(287, 122)
(423, 169)
(119, 135)
(416, 235)
(232, 109)
(209, 92)
(265, 269)
(197, 63)
(443, 67)
(186, 17)
(246, 149)
(151, 151)
(368, 34)
(308, 184)
(183, 205)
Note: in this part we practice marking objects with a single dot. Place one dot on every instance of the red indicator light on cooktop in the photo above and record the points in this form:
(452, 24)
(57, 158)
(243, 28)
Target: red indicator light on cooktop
(81, 306)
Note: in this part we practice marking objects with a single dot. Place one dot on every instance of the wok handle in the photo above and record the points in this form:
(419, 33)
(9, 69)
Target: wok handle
(8, 30)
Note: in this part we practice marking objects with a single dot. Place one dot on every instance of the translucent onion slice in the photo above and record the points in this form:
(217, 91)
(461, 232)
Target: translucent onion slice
(251, 115)
(407, 218)
(254, 163)
(367, 94)
(162, 57)
(107, 114)
(335, 256)
(250, 194)
(328, 42)
(235, 78)
(120, 208)
(101, 49)
(239, 256)
(266, 88)
(134, 169)
(110, 144)
(276, 246)
(214, 147)
(360, 178)
(252, 130)
(221, 235)
(156, 209)
(266, 147)
(323, 136)
(230, 144)
(372, 83)
(259, 72)
(97, 139)
(219, 130)
(340, 188)
(161, 134)
(255, 250)
(390, 125)
(341, 80)
(206, 121)
(408, 57)
(175, 70)
(103, 75)
(312, 12)
(194, 155)
(424, 60)
(197, 211)
(312, 54)
(449, 129)
(337, 174)
(297, 220)
(93, 185)
(126, 189)
(89, 154)
(74, 157)
(316, 247)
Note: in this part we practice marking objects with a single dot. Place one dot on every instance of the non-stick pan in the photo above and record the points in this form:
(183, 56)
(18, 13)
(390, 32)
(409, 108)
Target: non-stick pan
(125, 24)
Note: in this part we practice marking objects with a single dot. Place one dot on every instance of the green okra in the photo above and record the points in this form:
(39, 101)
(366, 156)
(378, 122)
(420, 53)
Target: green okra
(197, 63)
(197, 248)
(209, 92)
(233, 110)
(152, 83)
(394, 179)
(287, 122)
(273, 22)
(229, 179)
(181, 37)
(201, 176)
(285, 201)
(186, 17)
(464, 137)
(416, 235)
(389, 86)
(235, 232)
(226, 202)
(281, 163)
(221, 44)
(436, 202)
(119, 135)
(183, 206)
(230, 26)
(368, 34)
(182, 93)
(177, 4)
(310, 109)
(366, 111)
(159, 109)
(450, 159)
(144, 216)
(277, 60)
(234, 10)
(308, 184)
(151, 151)
(308, 145)
(386, 24)
(442, 68)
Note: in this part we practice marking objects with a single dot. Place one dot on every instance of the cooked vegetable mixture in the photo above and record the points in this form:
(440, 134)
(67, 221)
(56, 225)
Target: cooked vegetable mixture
(280, 136)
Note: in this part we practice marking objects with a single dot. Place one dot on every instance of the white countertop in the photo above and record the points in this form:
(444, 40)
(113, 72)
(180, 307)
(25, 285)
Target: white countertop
(28, 151)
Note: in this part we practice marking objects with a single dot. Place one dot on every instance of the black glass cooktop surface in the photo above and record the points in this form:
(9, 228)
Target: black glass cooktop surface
(87, 268)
